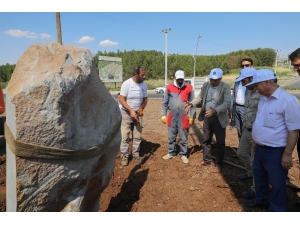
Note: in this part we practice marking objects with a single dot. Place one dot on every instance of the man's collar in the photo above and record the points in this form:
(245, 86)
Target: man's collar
(176, 85)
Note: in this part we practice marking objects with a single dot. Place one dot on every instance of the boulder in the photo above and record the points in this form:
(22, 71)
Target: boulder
(65, 131)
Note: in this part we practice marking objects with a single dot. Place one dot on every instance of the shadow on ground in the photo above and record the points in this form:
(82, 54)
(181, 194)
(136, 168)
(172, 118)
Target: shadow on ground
(129, 193)
(233, 166)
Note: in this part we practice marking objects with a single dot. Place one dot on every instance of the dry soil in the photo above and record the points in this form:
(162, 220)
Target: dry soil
(158, 185)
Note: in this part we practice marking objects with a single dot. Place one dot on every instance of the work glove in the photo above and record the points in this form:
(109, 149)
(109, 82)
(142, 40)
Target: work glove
(191, 121)
(140, 112)
(164, 119)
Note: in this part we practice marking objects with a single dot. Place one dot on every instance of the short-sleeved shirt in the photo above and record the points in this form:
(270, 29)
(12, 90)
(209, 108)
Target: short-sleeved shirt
(134, 93)
(276, 116)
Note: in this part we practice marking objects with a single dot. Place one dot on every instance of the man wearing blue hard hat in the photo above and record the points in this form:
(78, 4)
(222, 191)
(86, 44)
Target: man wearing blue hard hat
(245, 151)
(275, 133)
(215, 97)
(237, 106)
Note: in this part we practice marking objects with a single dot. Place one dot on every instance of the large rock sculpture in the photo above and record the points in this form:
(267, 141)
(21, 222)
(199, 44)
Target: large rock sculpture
(62, 132)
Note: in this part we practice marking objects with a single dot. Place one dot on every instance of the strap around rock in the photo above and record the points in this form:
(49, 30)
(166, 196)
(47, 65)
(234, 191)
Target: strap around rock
(28, 150)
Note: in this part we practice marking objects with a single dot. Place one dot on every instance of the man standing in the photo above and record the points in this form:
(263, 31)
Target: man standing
(237, 106)
(275, 133)
(251, 103)
(133, 100)
(215, 97)
(295, 61)
(245, 150)
(175, 97)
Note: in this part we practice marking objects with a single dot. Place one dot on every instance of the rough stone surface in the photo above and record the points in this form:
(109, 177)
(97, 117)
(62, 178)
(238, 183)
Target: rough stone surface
(60, 101)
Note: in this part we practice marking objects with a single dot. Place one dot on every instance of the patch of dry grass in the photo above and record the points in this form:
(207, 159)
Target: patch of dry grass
(283, 73)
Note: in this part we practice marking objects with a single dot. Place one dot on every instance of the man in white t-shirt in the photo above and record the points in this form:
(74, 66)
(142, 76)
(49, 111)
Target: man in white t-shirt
(132, 101)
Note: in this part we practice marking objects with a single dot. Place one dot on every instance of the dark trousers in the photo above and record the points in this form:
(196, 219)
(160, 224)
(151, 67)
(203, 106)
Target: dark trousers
(298, 147)
(267, 170)
(212, 126)
(238, 119)
(2, 121)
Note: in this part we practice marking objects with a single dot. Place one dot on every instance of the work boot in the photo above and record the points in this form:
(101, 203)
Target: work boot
(138, 159)
(124, 161)
(248, 194)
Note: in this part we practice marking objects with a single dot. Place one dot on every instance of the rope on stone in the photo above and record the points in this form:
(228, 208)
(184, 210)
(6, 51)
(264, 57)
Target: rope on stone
(29, 150)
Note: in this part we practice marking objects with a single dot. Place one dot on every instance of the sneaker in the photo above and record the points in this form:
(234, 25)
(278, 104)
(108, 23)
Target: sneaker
(124, 161)
(248, 194)
(138, 159)
(168, 156)
(217, 169)
(184, 159)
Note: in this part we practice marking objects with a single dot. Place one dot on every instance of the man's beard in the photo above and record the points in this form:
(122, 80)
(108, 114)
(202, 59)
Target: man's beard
(140, 80)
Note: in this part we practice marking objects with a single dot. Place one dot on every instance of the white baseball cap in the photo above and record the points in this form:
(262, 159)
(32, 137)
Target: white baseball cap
(179, 74)
(215, 73)
(262, 75)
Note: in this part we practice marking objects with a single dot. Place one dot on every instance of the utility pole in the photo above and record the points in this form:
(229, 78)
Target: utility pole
(166, 31)
(58, 28)
(195, 56)
(276, 60)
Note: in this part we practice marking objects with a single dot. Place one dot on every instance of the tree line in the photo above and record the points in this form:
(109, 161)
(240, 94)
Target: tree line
(154, 62)
(6, 71)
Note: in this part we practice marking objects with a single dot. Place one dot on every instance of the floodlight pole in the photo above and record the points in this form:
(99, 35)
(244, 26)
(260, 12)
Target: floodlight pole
(196, 55)
(276, 60)
(166, 31)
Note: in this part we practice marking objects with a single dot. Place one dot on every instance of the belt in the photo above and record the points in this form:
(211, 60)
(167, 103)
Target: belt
(265, 146)
(249, 129)
(239, 105)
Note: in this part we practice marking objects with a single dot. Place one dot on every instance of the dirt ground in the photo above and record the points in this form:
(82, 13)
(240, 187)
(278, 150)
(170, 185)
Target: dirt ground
(171, 186)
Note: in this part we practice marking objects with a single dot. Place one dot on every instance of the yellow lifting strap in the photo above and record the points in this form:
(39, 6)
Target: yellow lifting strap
(28, 150)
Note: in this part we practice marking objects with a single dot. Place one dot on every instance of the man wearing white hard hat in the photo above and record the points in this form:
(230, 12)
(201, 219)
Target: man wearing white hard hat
(275, 133)
(178, 121)
(215, 97)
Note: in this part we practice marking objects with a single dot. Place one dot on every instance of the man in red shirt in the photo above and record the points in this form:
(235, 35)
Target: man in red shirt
(175, 97)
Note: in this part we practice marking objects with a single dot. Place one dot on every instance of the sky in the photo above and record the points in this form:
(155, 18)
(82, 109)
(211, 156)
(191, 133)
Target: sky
(211, 29)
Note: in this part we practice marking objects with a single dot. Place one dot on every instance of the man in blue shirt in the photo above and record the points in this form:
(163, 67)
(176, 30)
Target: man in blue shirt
(295, 61)
(275, 133)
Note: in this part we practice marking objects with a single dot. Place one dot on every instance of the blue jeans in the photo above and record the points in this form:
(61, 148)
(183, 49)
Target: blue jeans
(238, 119)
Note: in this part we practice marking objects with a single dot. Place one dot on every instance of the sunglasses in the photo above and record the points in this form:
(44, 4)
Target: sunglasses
(245, 65)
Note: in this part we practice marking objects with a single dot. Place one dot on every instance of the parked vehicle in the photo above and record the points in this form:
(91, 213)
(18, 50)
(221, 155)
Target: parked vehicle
(196, 82)
(160, 90)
